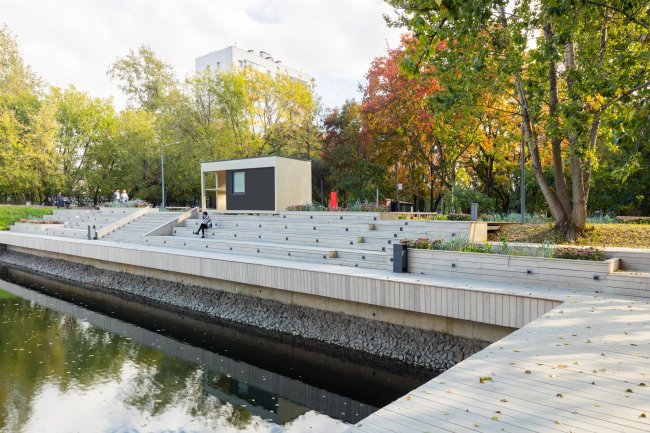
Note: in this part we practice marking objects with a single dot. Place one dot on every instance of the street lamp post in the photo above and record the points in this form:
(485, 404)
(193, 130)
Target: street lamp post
(162, 171)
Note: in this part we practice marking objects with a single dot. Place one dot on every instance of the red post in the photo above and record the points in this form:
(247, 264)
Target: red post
(333, 200)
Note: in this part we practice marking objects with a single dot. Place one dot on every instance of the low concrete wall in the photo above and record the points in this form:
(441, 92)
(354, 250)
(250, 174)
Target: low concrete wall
(563, 273)
(27, 227)
(636, 259)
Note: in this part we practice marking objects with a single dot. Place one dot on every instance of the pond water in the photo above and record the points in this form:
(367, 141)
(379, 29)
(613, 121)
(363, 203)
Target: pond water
(78, 360)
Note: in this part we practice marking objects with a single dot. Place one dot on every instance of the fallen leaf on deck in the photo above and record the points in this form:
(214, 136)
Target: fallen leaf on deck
(629, 390)
(408, 397)
(560, 395)
(643, 415)
(557, 422)
(495, 418)
(596, 404)
(504, 401)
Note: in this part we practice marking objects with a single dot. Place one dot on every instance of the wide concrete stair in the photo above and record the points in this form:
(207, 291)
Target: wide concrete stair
(633, 276)
(347, 239)
(76, 221)
(133, 231)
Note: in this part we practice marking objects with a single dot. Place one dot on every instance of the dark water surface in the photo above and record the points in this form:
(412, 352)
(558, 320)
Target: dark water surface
(78, 360)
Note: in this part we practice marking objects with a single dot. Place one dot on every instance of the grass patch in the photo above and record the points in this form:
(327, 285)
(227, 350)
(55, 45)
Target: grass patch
(598, 235)
(12, 214)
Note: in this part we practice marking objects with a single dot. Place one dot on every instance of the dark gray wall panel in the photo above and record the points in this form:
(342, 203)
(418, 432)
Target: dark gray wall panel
(260, 190)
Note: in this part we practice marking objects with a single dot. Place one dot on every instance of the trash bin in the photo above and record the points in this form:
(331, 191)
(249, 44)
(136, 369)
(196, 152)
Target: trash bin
(400, 258)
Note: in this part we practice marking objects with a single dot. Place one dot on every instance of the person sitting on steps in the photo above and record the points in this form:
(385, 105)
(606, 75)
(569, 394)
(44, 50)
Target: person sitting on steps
(206, 224)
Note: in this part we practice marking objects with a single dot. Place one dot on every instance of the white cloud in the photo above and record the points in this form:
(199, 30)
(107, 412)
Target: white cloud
(74, 41)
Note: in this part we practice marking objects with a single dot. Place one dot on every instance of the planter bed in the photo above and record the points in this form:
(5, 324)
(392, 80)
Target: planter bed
(339, 215)
(565, 273)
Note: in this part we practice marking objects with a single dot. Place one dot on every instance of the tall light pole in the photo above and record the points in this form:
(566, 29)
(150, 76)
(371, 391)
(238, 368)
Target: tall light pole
(162, 171)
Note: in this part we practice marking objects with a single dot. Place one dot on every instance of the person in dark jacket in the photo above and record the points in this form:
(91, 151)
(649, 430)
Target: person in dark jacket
(60, 201)
(206, 224)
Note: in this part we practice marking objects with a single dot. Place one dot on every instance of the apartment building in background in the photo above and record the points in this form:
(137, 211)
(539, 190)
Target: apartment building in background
(262, 62)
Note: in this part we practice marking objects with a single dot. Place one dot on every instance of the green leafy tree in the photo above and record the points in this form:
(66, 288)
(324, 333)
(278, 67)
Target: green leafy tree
(576, 69)
(144, 78)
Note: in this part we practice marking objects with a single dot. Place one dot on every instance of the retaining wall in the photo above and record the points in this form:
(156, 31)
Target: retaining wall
(564, 273)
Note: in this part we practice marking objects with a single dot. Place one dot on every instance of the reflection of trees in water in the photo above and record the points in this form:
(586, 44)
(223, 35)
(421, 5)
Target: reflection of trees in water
(40, 347)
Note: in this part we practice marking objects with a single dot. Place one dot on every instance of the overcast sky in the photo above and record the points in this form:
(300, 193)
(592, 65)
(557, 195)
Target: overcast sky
(73, 42)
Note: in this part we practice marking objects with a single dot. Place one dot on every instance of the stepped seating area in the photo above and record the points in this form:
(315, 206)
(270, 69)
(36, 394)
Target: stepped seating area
(347, 239)
(75, 222)
(357, 239)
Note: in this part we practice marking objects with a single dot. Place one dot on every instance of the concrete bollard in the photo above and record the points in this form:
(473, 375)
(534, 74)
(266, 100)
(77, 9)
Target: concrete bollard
(92, 233)
(400, 258)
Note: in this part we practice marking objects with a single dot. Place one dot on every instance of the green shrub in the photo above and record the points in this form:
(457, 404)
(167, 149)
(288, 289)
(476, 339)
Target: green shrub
(458, 217)
(12, 214)
(579, 253)
(463, 198)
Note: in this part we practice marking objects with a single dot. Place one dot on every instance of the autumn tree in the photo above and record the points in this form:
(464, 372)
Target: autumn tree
(577, 69)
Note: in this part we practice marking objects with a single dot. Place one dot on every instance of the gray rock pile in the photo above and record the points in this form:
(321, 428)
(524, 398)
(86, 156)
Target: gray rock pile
(430, 350)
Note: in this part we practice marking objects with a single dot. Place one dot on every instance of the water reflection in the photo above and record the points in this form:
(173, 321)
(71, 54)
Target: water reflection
(65, 368)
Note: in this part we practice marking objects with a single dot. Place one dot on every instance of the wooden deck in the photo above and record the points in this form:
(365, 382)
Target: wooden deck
(578, 368)
(576, 363)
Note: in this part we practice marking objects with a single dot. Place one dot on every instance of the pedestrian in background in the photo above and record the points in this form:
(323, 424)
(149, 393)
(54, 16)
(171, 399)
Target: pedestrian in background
(125, 196)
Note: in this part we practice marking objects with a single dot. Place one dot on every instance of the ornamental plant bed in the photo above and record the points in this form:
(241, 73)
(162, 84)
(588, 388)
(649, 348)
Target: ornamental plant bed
(26, 221)
(342, 215)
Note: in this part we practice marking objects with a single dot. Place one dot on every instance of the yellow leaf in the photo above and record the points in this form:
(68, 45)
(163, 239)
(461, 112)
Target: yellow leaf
(504, 401)
(475, 424)
(408, 397)
(449, 391)
(557, 422)
(560, 395)
(427, 392)
(495, 418)
(643, 415)
(629, 390)
(443, 8)
(596, 404)
(515, 350)
(481, 380)
(511, 363)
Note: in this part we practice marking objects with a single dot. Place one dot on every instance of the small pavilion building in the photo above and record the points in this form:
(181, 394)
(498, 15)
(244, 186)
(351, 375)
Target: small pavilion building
(266, 184)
